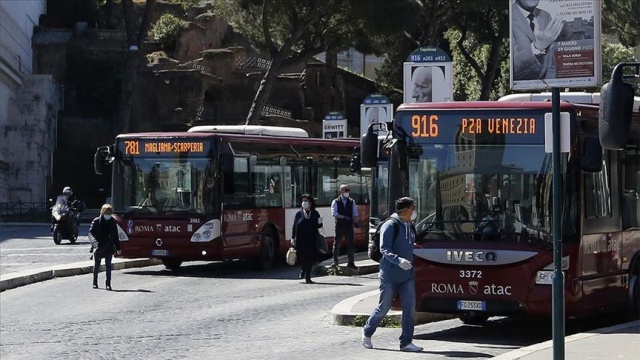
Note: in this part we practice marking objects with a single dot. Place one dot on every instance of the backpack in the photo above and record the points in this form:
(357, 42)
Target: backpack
(374, 251)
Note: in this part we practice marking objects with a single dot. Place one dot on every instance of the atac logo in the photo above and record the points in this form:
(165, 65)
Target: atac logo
(473, 287)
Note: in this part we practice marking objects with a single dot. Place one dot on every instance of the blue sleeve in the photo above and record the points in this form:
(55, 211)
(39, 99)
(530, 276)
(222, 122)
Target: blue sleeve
(334, 208)
(355, 210)
(386, 243)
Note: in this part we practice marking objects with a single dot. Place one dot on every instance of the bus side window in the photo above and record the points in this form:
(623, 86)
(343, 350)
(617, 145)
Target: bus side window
(237, 192)
(597, 192)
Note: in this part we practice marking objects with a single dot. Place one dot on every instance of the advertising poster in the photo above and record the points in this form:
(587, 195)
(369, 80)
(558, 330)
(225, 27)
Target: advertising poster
(374, 109)
(334, 126)
(555, 43)
(427, 76)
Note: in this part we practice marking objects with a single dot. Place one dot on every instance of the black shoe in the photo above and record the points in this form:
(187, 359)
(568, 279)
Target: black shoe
(301, 275)
(108, 285)
(95, 286)
(352, 266)
(309, 281)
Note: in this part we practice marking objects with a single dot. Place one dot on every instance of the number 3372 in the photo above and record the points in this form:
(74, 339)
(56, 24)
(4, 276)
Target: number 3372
(474, 274)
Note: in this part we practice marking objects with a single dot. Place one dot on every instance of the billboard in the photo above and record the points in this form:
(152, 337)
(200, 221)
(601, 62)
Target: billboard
(334, 126)
(428, 76)
(375, 108)
(555, 43)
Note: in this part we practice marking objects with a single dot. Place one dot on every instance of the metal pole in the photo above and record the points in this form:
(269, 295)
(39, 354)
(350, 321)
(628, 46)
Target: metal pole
(558, 281)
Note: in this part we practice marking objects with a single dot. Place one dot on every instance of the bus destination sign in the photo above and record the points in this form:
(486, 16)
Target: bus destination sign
(444, 126)
(160, 146)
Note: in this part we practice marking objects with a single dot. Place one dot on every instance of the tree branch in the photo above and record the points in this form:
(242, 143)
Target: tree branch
(467, 56)
(265, 29)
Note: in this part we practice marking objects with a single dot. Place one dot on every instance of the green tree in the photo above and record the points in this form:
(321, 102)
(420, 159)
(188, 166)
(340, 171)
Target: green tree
(622, 18)
(291, 31)
(136, 27)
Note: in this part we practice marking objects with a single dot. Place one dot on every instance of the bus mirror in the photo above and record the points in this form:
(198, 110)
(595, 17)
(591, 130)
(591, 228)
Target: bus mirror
(226, 163)
(591, 157)
(616, 107)
(99, 159)
(369, 148)
(355, 165)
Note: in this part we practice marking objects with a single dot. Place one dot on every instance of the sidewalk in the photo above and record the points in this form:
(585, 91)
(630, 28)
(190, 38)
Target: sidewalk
(21, 278)
(615, 342)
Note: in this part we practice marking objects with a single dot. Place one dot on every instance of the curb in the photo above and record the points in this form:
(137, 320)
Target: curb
(22, 278)
(341, 314)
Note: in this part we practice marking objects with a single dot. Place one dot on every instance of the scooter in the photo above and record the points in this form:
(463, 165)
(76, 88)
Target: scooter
(64, 220)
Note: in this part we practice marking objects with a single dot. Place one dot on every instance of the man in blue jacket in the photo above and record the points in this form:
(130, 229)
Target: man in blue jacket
(396, 274)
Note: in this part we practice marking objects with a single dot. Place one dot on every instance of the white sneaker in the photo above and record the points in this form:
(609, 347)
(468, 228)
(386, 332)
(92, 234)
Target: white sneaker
(411, 348)
(366, 341)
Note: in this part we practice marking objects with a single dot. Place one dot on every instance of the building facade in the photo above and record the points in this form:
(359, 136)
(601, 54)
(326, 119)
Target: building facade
(29, 105)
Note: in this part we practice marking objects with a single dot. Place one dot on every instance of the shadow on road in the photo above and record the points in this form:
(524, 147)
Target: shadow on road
(238, 269)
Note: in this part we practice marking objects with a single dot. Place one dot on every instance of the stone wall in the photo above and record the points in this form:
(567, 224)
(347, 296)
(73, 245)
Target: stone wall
(28, 140)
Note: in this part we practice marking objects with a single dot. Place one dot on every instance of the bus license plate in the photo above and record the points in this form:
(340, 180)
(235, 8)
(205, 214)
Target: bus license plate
(472, 305)
(159, 252)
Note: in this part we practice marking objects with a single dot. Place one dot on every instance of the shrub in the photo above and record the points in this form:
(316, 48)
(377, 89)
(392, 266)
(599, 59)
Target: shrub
(166, 31)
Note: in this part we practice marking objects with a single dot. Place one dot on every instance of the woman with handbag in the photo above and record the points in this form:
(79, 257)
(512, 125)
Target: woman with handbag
(305, 233)
(104, 235)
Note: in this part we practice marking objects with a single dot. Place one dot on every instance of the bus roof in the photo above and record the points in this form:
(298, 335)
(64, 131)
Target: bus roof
(574, 97)
(252, 130)
(477, 105)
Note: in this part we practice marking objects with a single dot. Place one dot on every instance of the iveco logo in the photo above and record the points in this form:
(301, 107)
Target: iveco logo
(159, 242)
(471, 256)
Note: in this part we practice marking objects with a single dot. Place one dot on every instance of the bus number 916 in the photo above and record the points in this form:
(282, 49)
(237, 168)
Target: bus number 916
(474, 274)
(424, 126)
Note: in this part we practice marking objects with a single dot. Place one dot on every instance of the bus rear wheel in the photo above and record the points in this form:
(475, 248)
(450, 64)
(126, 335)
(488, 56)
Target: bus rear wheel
(172, 264)
(267, 252)
(473, 318)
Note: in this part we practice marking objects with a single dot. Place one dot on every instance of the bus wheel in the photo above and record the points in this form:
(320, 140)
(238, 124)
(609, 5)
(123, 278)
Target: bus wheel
(267, 251)
(473, 318)
(172, 264)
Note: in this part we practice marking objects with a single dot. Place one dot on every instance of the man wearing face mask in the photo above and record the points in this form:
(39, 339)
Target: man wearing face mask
(396, 275)
(104, 236)
(345, 211)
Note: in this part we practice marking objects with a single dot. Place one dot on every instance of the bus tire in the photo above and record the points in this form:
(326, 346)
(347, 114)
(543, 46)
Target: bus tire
(267, 251)
(474, 318)
(172, 264)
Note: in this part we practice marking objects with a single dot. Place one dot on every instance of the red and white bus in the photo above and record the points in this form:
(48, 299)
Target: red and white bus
(481, 175)
(224, 192)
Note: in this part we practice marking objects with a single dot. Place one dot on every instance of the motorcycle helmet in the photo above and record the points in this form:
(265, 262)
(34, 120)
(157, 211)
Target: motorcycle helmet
(67, 191)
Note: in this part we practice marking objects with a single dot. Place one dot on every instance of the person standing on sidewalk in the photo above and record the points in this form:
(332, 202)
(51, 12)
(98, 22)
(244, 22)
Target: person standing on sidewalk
(304, 235)
(396, 274)
(104, 235)
(345, 211)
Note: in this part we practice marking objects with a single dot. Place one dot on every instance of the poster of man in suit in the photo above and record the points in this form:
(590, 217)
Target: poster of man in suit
(555, 43)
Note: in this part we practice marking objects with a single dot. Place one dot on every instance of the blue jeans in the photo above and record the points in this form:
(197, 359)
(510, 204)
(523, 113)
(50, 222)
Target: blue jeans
(388, 290)
(96, 266)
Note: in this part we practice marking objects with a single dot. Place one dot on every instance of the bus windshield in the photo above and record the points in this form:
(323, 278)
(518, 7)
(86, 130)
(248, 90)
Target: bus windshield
(480, 183)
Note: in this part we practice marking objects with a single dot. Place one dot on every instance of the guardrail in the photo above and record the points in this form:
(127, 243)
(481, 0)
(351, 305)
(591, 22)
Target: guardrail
(24, 211)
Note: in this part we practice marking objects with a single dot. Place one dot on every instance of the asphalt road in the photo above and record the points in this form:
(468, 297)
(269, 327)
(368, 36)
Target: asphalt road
(216, 311)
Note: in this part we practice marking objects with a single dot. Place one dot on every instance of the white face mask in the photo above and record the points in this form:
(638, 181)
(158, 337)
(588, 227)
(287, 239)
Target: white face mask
(345, 194)
(305, 205)
(107, 217)
(414, 216)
